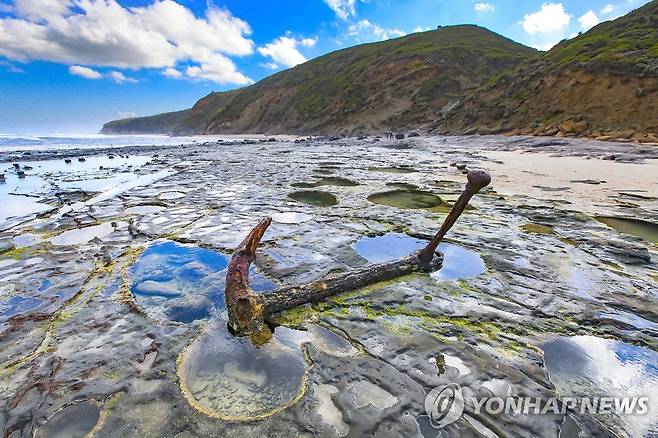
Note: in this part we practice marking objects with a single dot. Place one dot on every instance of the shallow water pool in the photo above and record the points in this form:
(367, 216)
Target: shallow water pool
(458, 262)
(184, 283)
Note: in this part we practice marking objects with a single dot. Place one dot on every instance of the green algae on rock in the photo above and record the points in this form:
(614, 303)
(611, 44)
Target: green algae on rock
(315, 198)
(537, 228)
(406, 199)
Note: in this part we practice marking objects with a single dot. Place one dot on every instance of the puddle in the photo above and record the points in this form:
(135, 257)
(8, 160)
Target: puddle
(327, 410)
(17, 305)
(26, 239)
(406, 199)
(314, 197)
(183, 283)
(144, 209)
(291, 217)
(74, 421)
(79, 236)
(327, 181)
(644, 230)
(458, 262)
(631, 319)
(399, 169)
(19, 206)
(227, 377)
(589, 366)
(171, 195)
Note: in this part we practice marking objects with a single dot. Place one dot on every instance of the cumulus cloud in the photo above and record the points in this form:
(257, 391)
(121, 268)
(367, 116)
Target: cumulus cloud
(84, 72)
(484, 7)
(364, 30)
(283, 51)
(171, 72)
(342, 8)
(551, 18)
(588, 20)
(309, 42)
(270, 65)
(103, 33)
(607, 9)
(120, 78)
(218, 69)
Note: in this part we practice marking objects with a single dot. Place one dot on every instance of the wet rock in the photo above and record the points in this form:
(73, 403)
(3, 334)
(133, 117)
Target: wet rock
(399, 136)
(413, 134)
(82, 159)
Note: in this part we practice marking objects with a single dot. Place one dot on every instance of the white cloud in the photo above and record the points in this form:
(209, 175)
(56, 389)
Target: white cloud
(11, 68)
(544, 46)
(588, 20)
(283, 50)
(551, 18)
(6, 9)
(172, 73)
(161, 34)
(607, 9)
(84, 72)
(218, 69)
(127, 114)
(421, 29)
(270, 65)
(309, 42)
(120, 78)
(364, 30)
(484, 7)
(342, 8)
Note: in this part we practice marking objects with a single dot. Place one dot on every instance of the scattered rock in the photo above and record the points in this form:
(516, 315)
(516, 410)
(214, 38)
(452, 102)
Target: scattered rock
(399, 136)
(573, 127)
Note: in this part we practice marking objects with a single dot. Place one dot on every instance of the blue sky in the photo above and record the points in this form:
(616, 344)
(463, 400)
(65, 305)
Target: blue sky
(67, 66)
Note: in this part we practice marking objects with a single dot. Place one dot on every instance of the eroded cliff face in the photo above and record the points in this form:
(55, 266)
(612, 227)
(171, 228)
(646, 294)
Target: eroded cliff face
(577, 102)
(602, 84)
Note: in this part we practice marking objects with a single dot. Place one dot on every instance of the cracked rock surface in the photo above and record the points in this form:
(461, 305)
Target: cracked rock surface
(111, 287)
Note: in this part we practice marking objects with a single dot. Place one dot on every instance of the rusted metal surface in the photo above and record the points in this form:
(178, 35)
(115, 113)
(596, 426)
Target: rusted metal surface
(247, 310)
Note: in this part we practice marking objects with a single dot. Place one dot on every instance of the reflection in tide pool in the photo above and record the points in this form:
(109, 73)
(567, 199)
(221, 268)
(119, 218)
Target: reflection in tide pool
(75, 420)
(458, 262)
(183, 283)
(642, 229)
(226, 376)
(17, 305)
(588, 366)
